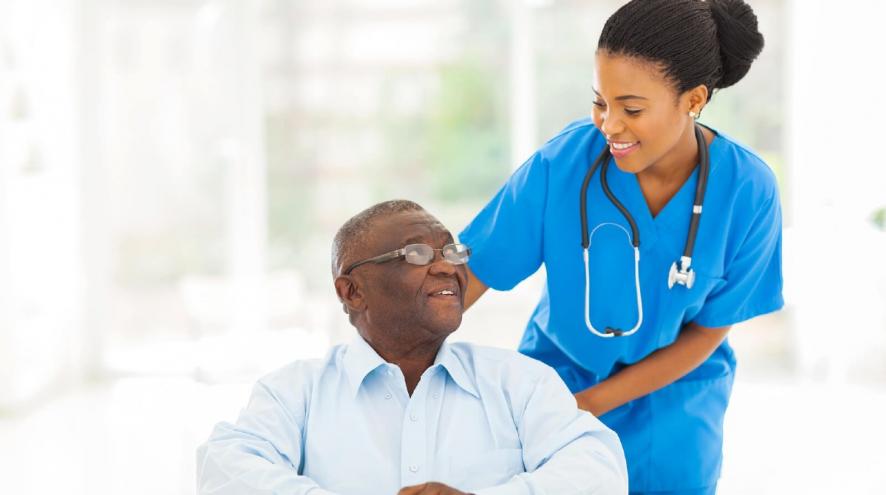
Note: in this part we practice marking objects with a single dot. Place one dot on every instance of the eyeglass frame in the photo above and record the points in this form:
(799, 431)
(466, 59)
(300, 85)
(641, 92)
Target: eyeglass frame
(401, 253)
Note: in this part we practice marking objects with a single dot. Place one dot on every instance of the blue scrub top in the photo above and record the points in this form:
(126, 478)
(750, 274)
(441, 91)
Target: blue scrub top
(672, 437)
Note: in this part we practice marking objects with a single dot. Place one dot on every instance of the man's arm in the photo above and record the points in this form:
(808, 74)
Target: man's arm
(260, 454)
(565, 450)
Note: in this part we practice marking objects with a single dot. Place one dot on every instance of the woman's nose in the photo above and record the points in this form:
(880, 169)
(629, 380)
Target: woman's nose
(611, 126)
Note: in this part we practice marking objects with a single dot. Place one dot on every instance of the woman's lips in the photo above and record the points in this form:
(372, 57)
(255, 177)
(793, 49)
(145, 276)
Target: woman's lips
(621, 150)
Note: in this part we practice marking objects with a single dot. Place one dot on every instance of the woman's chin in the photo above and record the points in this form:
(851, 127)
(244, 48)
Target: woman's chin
(630, 165)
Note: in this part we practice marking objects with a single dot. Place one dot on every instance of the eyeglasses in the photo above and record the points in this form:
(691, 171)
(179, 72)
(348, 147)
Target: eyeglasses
(420, 254)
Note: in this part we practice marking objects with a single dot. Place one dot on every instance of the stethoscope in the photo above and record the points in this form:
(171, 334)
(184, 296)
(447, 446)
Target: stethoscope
(680, 274)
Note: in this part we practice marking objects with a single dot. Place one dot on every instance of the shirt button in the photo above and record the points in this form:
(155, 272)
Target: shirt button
(413, 468)
(413, 417)
(387, 396)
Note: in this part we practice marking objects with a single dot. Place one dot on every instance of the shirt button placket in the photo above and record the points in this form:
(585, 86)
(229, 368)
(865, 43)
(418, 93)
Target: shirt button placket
(414, 443)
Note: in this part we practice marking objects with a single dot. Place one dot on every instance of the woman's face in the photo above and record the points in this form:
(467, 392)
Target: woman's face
(645, 121)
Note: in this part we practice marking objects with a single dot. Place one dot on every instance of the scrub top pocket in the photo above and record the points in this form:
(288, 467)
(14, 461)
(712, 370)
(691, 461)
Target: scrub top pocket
(679, 305)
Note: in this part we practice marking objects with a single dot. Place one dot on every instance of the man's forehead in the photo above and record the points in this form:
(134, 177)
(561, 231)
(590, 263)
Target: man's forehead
(408, 225)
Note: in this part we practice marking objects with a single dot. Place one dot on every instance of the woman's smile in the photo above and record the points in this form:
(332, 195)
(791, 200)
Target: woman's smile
(622, 149)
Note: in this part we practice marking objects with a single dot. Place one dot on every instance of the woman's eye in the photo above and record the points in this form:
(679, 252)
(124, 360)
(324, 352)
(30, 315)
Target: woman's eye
(599, 104)
(631, 111)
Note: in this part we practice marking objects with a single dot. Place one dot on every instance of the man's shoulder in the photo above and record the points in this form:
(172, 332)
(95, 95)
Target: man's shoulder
(487, 360)
(302, 372)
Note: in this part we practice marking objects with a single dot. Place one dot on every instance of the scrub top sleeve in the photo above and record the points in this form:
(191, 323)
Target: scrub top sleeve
(753, 279)
(506, 236)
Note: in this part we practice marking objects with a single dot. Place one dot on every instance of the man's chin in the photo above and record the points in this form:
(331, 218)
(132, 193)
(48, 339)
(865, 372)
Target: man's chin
(445, 325)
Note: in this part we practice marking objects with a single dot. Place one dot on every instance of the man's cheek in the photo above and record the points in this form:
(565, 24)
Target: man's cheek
(401, 294)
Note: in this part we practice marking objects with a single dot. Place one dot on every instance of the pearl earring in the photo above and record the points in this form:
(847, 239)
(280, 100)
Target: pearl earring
(693, 114)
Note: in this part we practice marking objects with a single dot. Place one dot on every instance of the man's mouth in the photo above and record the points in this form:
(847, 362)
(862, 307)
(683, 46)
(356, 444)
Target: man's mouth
(445, 292)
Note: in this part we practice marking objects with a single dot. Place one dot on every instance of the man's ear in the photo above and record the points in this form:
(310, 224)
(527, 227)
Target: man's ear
(349, 293)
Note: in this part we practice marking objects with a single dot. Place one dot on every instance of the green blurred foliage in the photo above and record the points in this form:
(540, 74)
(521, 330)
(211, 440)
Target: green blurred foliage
(288, 189)
(158, 259)
(878, 218)
(189, 240)
(467, 138)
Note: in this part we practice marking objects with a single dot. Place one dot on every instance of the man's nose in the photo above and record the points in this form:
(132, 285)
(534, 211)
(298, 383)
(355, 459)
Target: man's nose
(440, 265)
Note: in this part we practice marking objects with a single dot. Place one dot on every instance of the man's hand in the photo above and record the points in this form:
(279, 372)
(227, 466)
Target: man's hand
(430, 489)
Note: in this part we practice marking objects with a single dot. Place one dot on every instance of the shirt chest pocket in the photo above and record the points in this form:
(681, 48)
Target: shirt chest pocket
(472, 471)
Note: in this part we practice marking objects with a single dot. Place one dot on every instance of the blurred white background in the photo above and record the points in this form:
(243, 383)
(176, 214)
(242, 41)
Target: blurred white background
(172, 173)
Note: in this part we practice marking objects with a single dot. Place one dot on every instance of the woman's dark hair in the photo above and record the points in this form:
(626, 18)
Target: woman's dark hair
(695, 42)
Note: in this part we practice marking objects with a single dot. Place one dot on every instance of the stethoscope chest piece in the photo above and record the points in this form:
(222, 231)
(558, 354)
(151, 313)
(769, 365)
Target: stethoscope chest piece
(683, 275)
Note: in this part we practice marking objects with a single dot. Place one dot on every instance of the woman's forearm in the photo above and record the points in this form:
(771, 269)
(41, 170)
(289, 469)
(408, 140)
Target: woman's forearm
(475, 289)
(659, 369)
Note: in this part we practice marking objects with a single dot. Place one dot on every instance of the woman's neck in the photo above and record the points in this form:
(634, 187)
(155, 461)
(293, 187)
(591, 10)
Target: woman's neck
(663, 180)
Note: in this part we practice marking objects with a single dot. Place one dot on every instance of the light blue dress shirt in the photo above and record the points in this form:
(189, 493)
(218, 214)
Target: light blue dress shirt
(482, 420)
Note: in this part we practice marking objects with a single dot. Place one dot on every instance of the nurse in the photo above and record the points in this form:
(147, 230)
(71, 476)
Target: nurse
(664, 388)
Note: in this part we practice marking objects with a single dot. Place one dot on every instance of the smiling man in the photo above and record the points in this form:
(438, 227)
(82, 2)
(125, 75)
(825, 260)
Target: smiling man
(399, 410)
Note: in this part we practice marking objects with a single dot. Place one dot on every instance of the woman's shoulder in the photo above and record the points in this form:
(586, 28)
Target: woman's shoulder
(576, 128)
(748, 170)
(576, 137)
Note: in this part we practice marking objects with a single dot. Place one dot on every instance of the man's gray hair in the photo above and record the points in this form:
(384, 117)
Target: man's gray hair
(351, 236)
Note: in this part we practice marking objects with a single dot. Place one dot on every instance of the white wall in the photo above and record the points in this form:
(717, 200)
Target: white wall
(39, 230)
(835, 261)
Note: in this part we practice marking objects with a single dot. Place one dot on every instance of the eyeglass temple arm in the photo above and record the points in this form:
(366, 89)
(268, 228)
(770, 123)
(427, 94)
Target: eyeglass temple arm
(376, 259)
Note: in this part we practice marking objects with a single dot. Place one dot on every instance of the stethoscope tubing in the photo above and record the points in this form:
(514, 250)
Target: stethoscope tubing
(613, 333)
(634, 237)
(703, 172)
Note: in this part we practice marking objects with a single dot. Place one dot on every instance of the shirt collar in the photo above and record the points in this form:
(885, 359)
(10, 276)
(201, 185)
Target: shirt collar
(360, 360)
(449, 360)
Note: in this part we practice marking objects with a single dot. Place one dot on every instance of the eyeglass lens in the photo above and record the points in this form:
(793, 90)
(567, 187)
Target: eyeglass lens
(422, 254)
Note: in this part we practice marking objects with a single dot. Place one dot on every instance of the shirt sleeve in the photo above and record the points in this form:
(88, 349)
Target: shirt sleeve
(566, 451)
(260, 454)
(753, 278)
(506, 236)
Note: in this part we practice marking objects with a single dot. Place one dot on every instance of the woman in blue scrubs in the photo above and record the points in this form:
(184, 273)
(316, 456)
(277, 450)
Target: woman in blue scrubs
(665, 387)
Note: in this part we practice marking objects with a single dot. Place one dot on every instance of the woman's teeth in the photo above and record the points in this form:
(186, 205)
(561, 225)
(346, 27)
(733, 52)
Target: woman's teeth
(622, 146)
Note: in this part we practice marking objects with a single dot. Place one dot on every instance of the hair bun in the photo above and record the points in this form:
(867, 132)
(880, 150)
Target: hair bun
(740, 40)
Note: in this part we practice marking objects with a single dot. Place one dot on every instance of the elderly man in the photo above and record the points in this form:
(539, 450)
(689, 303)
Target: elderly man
(399, 410)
